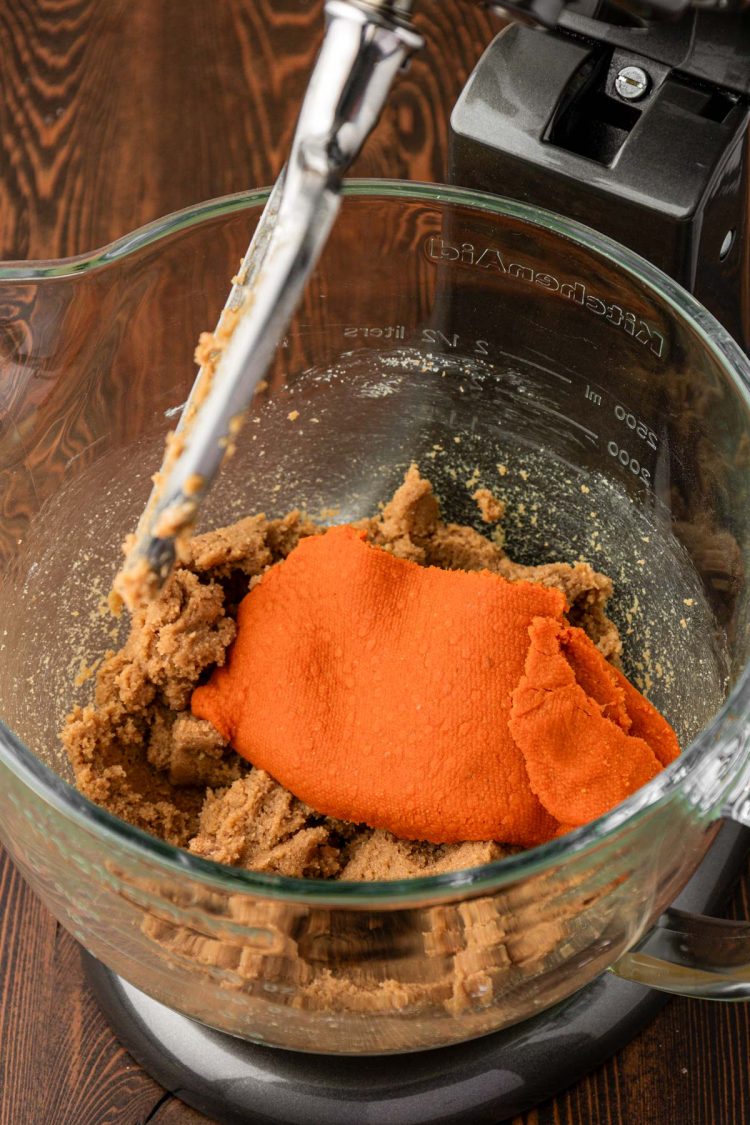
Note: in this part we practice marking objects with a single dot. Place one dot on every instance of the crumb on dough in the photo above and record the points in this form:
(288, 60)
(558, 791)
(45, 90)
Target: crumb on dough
(491, 509)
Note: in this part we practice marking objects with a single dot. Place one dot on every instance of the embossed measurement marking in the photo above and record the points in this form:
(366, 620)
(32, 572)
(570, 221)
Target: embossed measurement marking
(629, 462)
(639, 427)
(435, 336)
(531, 363)
(380, 332)
(590, 434)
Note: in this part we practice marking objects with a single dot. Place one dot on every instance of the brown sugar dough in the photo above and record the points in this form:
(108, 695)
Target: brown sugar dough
(258, 824)
(139, 753)
(371, 854)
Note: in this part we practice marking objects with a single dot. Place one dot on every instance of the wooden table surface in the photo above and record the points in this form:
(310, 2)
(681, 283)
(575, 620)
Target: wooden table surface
(112, 113)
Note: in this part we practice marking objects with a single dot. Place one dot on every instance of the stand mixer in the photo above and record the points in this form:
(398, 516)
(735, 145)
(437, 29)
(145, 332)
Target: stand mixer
(541, 115)
(548, 115)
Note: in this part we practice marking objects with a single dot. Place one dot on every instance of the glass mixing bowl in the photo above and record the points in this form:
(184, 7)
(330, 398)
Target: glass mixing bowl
(494, 345)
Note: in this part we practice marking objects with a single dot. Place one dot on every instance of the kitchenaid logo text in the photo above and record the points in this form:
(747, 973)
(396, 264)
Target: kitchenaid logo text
(487, 258)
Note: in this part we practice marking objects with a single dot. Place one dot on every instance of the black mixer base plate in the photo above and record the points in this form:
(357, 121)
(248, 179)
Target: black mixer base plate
(481, 1083)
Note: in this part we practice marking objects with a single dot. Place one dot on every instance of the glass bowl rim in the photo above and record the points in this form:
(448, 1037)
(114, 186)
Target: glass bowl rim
(59, 794)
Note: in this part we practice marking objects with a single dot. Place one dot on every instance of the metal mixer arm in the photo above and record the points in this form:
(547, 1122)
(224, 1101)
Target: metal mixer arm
(362, 52)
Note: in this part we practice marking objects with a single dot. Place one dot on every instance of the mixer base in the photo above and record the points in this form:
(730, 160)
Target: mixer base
(482, 1083)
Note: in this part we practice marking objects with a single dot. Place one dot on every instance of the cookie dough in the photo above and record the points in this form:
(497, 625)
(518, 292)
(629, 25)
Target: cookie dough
(139, 752)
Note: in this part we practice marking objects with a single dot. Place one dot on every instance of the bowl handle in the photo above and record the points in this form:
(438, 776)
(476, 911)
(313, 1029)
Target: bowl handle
(692, 955)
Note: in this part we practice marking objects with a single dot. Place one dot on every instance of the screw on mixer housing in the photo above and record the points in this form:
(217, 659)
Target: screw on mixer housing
(632, 83)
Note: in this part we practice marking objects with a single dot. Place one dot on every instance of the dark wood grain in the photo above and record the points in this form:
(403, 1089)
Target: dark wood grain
(112, 113)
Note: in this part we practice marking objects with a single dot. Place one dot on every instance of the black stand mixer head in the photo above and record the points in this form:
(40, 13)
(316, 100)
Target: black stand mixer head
(640, 133)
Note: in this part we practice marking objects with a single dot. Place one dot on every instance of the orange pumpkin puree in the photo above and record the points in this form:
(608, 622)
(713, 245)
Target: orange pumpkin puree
(440, 705)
